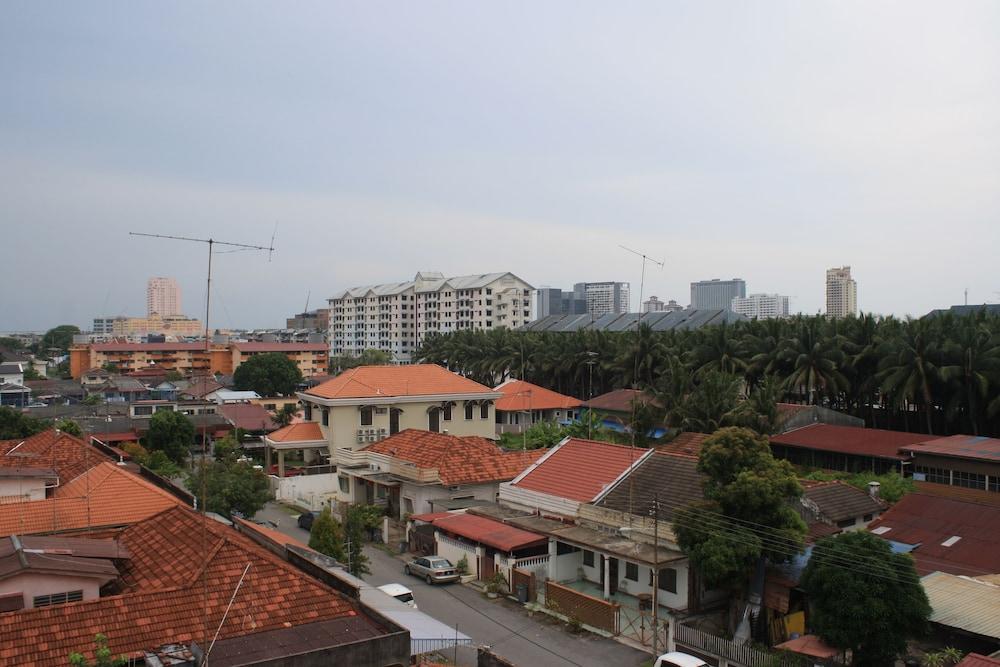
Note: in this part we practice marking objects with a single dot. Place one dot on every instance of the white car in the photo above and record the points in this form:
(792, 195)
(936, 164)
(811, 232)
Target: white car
(400, 592)
(677, 659)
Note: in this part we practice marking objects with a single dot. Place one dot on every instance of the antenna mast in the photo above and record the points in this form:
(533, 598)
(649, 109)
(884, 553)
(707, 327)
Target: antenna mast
(642, 281)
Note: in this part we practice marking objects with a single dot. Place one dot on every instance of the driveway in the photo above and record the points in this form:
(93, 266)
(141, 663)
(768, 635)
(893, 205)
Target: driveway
(504, 626)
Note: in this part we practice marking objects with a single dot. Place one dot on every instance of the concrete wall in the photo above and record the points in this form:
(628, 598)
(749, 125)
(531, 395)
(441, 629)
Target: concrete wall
(567, 566)
(28, 488)
(421, 495)
(450, 549)
(31, 585)
(310, 491)
(530, 501)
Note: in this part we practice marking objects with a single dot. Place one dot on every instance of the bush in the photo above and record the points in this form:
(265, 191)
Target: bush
(462, 565)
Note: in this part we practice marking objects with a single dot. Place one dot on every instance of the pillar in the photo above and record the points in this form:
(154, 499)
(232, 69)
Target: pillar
(607, 576)
(281, 463)
(267, 458)
(480, 553)
(552, 559)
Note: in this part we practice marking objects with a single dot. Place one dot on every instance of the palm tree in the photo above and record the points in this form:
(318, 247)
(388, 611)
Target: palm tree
(816, 364)
(910, 368)
(973, 357)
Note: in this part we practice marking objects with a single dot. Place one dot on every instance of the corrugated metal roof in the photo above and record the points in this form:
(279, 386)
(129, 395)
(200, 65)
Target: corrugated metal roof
(964, 603)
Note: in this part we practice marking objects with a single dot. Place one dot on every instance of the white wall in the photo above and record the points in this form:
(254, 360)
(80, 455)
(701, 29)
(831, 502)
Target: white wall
(676, 600)
(450, 549)
(312, 491)
(27, 488)
(532, 500)
(30, 585)
(421, 495)
(568, 565)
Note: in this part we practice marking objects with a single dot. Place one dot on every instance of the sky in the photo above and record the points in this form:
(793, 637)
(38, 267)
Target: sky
(766, 141)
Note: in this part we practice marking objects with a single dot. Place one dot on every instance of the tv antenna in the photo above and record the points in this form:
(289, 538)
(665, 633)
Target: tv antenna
(642, 281)
(211, 244)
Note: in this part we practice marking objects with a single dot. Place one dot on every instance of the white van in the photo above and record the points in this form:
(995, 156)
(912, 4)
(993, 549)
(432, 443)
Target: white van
(677, 659)
(400, 592)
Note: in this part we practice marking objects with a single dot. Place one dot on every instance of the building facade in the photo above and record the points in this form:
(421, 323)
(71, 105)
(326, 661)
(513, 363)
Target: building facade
(396, 317)
(761, 306)
(604, 298)
(163, 297)
(318, 319)
(554, 301)
(654, 305)
(841, 292)
(717, 293)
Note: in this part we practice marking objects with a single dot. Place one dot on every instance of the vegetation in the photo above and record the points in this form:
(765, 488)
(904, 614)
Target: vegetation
(156, 460)
(59, 338)
(69, 426)
(285, 414)
(360, 519)
(892, 485)
(864, 597)
(230, 485)
(339, 364)
(462, 565)
(12, 344)
(15, 424)
(102, 655)
(171, 433)
(271, 374)
(946, 657)
(746, 514)
(327, 536)
(31, 374)
(939, 375)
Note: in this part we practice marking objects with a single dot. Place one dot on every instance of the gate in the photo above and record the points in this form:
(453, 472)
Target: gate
(422, 539)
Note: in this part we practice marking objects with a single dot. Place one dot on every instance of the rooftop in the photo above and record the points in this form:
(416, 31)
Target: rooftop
(520, 395)
(299, 432)
(619, 400)
(248, 416)
(971, 447)
(672, 479)
(486, 531)
(978, 660)
(281, 347)
(580, 470)
(964, 603)
(850, 440)
(51, 449)
(458, 459)
(839, 501)
(390, 381)
(684, 443)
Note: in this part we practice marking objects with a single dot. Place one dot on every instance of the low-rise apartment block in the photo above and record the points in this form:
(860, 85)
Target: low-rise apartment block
(761, 306)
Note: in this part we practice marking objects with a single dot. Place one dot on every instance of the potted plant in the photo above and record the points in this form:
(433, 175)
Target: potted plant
(495, 585)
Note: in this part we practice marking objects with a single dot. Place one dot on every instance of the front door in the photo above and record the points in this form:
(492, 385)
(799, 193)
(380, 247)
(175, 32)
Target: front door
(613, 573)
(393, 421)
(434, 421)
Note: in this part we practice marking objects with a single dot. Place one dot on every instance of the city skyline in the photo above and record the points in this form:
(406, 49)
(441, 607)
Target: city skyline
(766, 142)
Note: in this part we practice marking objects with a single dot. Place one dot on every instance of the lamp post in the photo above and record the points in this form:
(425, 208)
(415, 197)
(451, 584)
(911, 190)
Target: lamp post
(590, 363)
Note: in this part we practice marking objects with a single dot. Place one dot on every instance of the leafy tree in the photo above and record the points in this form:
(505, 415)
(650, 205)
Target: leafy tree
(15, 424)
(60, 337)
(269, 374)
(155, 461)
(12, 344)
(69, 426)
(31, 374)
(286, 413)
(102, 655)
(230, 486)
(171, 433)
(227, 449)
(173, 376)
(327, 535)
(359, 520)
(864, 597)
(370, 357)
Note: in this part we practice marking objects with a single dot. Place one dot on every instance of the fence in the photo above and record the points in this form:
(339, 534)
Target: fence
(582, 607)
(729, 651)
(528, 579)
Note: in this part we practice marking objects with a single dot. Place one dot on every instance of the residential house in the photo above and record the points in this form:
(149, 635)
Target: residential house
(524, 404)
(971, 462)
(412, 468)
(119, 389)
(615, 409)
(845, 448)
(11, 373)
(247, 417)
(13, 393)
(832, 507)
(229, 396)
(965, 611)
(33, 468)
(370, 403)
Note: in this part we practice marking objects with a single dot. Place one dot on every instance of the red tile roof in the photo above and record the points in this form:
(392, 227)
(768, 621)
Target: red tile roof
(248, 416)
(521, 395)
(282, 347)
(458, 459)
(580, 470)
(300, 432)
(619, 400)
(492, 533)
(975, 448)
(68, 455)
(930, 520)
(850, 440)
(688, 444)
(165, 599)
(116, 498)
(430, 516)
(275, 536)
(386, 381)
(146, 347)
(978, 660)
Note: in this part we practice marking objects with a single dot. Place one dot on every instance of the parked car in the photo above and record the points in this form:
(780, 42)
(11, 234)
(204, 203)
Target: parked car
(306, 520)
(434, 569)
(400, 592)
(678, 659)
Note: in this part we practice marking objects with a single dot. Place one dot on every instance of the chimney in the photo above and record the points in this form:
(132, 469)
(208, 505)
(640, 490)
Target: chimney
(873, 488)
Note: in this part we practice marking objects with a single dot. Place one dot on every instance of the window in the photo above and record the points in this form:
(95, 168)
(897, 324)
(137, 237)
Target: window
(868, 517)
(447, 413)
(668, 580)
(308, 412)
(562, 548)
(366, 416)
(468, 409)
(936, 475)
(484, 410)
(969, 480)
(588, 558)
(271, 406)
(631, 571)
(994, 484)
(345, 484)
(57, 598)
(143, 409)
(326, 417)
(845, 523)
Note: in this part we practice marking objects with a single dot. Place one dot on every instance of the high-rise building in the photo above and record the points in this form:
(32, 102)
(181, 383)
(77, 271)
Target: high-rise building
(554, 301)
(604, 298)
(717, 294)
(761, 306)
(396, 317)
(163, 297)
(654, 305)
(104, 325)
(841, 292)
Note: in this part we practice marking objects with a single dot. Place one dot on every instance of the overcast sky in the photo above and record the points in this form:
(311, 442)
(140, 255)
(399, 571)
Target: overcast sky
(767, 141)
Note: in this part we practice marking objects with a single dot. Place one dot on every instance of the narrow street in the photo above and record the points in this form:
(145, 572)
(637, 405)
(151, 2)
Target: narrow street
(500, 624)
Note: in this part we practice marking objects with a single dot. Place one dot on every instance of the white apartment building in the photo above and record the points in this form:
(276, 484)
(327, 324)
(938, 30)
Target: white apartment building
(604, 298)
(841, 292)
(654, 305)
(163, 297)
(396, 317)
(761, 306)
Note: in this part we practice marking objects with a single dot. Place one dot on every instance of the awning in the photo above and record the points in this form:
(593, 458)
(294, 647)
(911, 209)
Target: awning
(426, 632)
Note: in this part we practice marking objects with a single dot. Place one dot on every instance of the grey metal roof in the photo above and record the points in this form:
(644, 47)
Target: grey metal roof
(678, 319)
(10, 368)
(964, 603)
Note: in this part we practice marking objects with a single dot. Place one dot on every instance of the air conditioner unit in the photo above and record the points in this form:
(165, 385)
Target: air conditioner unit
(361, 438)
(381, 430)
(452, 489)
(361, 431)
(371, 438)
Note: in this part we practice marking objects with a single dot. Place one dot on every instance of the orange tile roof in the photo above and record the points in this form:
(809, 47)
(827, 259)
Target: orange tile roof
(300, 432)
(580, 469)
(458, 459)
(68, 455)
(496, 534)
(117, 497)
(165, 599)
(275, 536)
(386, 381)
(688, 444)
(521, 395)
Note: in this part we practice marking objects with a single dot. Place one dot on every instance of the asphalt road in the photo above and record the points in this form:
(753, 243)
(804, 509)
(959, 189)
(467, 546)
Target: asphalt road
(526, 640)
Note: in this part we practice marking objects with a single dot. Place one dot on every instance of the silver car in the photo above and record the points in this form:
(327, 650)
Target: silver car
(434, 569)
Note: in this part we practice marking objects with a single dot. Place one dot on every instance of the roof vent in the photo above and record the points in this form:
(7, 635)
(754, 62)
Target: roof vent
(881, 530)
(873, 489)
(951, 540)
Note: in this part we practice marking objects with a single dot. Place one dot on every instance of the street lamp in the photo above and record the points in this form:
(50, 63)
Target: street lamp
(590, 363)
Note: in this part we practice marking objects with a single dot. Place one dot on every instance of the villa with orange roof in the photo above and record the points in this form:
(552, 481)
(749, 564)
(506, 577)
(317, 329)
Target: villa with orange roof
(525, 404)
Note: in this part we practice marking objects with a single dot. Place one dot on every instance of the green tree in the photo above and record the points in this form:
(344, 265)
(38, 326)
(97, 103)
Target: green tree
(171, 433)
(11, 344)
(15, 424)
(359, 521)
(327, 535)
(286, 413)
(230, 486)
(102, 655)
(155, 461)
(271, 374)
(59, 338)
(865, 598)
(69, 426)
(370, 357)
(31, 374)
